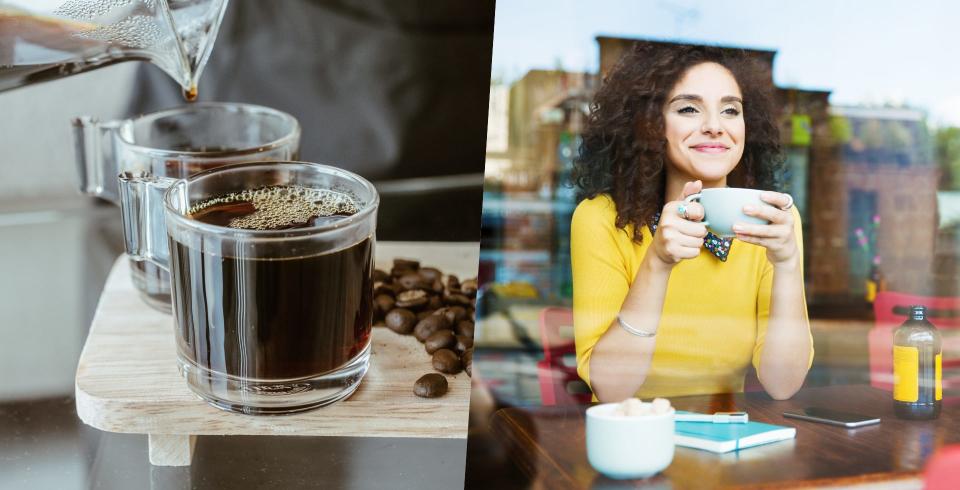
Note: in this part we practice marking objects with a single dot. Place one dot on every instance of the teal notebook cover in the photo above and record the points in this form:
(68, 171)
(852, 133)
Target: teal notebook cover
(721, 438)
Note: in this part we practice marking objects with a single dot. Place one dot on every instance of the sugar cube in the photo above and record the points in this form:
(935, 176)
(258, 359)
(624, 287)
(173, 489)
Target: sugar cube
(661, 406)
(634, 407)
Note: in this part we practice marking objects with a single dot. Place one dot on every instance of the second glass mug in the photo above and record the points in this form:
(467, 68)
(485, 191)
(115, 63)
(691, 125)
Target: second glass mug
(177, 143)
(269, 320)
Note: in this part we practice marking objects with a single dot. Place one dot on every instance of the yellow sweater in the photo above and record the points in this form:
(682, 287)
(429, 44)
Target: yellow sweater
(714, 314)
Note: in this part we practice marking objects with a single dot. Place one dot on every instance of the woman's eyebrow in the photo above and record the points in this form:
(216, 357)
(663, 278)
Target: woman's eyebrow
(692, 97)
(697, 98)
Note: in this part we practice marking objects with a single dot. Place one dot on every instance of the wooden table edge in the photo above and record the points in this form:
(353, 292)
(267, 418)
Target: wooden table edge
(100, 413)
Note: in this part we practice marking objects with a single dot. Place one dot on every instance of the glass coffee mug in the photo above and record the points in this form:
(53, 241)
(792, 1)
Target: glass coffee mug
(272, 278)
(177, 143)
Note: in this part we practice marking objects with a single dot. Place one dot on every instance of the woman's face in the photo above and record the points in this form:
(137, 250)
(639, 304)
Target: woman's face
(704, 124)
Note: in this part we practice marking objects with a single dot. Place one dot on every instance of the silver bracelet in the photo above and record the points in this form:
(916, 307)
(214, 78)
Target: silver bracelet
(633, 330)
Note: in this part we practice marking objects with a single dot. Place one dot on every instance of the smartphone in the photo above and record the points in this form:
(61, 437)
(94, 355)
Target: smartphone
(833, 417)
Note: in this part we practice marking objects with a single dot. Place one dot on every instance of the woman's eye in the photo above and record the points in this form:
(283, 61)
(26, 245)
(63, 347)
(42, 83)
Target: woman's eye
(731, 111)
(687, 110)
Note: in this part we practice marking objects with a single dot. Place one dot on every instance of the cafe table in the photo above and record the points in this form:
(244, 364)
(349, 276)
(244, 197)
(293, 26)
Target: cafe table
(547, 444)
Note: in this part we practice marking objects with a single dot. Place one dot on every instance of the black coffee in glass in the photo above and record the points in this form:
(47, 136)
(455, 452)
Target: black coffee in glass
(273, 318)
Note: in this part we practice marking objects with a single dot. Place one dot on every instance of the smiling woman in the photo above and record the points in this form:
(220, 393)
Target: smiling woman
(652, 315)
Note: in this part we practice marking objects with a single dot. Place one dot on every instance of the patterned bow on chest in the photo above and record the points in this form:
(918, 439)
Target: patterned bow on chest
(719, 247)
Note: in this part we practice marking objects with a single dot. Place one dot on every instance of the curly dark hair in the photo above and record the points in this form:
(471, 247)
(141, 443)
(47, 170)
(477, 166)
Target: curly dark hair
(623, 152)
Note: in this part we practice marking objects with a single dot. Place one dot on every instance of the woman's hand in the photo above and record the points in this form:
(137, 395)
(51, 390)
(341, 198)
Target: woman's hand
(777, 237)
(680, 235)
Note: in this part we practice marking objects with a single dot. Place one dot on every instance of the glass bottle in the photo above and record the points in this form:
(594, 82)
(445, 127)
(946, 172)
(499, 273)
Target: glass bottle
(917, 385)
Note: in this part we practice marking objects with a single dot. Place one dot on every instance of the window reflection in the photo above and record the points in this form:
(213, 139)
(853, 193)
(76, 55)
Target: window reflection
(877, 186)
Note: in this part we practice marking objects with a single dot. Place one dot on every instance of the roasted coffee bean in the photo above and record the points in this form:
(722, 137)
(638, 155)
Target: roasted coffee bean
(453, 282)
(465, 328)
(445, 312)
(456, 314)
(463, 342)
(443, 320)
(401, 320)
(430, 325)
(381, 276)
(457, 299)
(383, 288)
(430, 274)
(384, 304)
(406, 264)
(453, 313)
(435, 303)
(396, 273)
(441, 339)
(437, 286)
(414, 299)
(467, 360)
(430, 386)
(469, 287)
(446, 361)
(413, 281)
(425, 313)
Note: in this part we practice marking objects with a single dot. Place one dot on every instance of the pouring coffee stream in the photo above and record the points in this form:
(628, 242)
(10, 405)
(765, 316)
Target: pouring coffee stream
(44, 40)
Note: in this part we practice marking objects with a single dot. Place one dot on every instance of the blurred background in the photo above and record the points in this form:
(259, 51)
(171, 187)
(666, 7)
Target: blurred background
(869, 114)
(395, 91)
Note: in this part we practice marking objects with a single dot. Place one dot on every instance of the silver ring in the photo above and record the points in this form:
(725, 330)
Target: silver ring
(789, 204)
(682, 209)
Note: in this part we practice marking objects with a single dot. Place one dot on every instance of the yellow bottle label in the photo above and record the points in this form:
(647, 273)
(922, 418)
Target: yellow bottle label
(906, 365)
(938, 376)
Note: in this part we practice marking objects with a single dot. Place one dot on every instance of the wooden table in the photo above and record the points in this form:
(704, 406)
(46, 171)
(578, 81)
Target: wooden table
(127, 378)
(547, 444)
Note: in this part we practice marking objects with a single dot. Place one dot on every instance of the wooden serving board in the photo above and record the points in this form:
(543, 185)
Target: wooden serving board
(127, 378)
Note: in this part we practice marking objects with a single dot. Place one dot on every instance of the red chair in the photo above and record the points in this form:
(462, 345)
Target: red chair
(943, 469)
(890, 310)
(559, 382)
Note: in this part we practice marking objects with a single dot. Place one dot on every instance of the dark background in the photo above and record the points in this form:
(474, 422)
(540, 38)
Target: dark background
(387, 89)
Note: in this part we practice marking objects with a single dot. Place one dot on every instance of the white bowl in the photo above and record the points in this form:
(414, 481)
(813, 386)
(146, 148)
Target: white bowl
(629, 447)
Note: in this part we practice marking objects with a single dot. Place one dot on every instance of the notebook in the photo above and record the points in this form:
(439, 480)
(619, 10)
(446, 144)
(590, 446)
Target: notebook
(722, 438)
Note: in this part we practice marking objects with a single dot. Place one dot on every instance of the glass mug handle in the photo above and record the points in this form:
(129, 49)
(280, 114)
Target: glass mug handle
(96, 148)
(141, 207)
(696, 198)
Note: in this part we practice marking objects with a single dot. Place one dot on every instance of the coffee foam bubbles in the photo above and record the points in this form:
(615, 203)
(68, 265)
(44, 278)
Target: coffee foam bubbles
(278, 207)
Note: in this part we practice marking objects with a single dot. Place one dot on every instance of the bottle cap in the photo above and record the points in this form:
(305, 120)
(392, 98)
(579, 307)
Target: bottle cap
(918, 312)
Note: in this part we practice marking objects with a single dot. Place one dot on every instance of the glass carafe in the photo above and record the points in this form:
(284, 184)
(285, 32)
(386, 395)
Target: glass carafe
(48, 39)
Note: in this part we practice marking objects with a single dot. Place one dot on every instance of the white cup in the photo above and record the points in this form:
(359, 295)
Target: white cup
(723, 207)
(628, 447)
